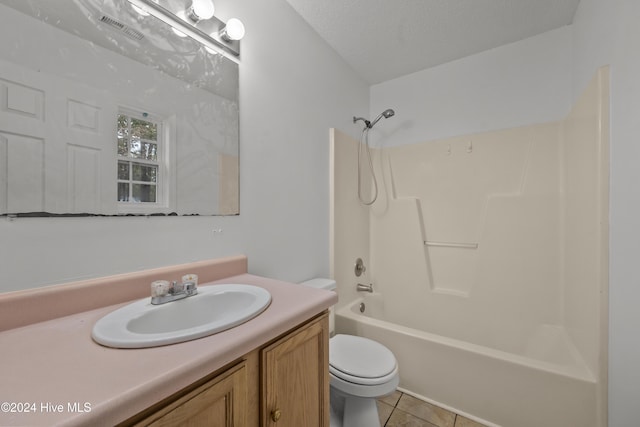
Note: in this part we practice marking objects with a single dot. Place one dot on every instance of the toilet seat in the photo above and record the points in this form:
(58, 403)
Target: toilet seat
(360, 360)
(360, 380)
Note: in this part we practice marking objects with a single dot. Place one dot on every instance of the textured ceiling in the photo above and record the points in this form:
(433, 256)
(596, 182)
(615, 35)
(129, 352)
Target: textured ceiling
(385, 39)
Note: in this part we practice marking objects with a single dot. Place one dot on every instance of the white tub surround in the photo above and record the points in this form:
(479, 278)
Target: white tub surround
(491, 244)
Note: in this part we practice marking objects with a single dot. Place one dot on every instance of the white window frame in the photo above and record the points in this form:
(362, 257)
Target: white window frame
(165, 180)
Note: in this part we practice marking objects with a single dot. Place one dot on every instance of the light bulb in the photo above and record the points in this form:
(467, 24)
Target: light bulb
(178, 33)
(234, 30)
(140, 11)
(182, 15)
(201, 9)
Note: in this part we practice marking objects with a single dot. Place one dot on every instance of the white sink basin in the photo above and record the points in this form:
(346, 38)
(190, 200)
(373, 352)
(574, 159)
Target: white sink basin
(214, 309)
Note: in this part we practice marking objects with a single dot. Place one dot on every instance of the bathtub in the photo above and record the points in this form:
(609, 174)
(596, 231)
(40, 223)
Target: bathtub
(549, 387)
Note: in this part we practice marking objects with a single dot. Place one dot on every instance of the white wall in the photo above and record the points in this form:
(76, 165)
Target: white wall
(518, 84)
(290, 95)
(607, 31)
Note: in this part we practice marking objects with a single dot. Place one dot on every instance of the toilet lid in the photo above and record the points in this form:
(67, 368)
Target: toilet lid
(360, 357)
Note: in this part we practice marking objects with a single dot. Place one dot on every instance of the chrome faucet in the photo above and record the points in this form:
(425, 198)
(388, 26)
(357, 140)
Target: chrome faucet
(365, 288)
(162, 292)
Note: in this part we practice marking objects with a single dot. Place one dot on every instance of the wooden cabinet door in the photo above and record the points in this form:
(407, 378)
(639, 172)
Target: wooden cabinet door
(295, 378)
(221, 402)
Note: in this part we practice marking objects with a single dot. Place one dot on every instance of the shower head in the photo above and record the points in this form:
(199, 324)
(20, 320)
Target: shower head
(386, 114)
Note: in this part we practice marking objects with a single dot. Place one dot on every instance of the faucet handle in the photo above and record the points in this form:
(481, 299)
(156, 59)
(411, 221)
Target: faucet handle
(160, 288)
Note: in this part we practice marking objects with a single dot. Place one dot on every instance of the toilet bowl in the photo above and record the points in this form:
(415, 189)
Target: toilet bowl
(360, 371)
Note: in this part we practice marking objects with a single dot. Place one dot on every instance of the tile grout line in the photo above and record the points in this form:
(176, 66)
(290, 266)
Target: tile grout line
(395, 407)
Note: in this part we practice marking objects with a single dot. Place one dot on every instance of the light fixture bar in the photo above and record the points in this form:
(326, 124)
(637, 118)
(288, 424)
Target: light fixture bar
(212, 41)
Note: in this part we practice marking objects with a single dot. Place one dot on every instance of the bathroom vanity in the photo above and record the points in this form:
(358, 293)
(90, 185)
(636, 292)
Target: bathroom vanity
(285, 383)
(271, 370)
(294, 392)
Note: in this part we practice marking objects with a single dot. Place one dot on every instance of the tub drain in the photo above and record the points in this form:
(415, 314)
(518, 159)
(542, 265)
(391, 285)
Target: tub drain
(362, 307)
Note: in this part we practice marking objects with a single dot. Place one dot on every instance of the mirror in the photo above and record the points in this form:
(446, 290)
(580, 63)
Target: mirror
(107, 111)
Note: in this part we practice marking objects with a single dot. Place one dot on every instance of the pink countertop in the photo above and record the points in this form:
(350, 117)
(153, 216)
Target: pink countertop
(54, 370)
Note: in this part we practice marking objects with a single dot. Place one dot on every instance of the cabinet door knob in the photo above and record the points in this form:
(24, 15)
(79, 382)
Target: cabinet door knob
(275, 415)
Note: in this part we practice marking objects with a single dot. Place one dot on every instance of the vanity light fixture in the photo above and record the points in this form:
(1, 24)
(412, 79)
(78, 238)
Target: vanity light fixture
(197, 22)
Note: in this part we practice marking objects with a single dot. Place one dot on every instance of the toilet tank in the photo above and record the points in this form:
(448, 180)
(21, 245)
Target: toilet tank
(329, 285)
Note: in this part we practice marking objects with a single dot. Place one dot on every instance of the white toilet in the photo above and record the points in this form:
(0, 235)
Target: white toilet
(360, 370)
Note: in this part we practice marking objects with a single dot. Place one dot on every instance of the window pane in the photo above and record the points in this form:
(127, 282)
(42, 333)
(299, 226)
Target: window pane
(137, 139)
(123, 192)
(149, 151)
(144, 193)
(144, 173)
(123, 146)
(123, 171)
(144, 150)
(135, 147)
(123, 126)
(143, 129)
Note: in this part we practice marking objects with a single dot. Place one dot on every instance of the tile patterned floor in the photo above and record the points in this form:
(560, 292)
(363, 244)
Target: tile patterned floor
(402, 410)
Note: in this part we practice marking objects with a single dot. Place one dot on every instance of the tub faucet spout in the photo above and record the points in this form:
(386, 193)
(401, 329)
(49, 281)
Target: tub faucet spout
(365, 288)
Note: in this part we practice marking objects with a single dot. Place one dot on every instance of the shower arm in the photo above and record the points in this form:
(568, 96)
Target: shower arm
(367, 123)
